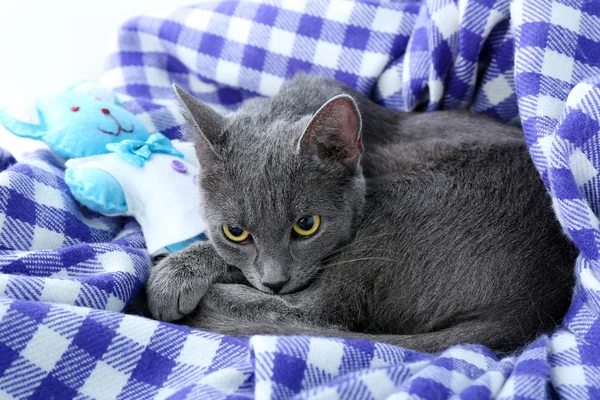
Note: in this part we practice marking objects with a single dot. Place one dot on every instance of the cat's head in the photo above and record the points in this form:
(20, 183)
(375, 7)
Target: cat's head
(278, 195)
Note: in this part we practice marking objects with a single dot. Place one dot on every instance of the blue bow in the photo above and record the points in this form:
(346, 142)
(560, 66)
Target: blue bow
(137, 152)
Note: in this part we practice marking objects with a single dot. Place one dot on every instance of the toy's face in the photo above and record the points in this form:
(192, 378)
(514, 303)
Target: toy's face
(75, 123)
(78, 125)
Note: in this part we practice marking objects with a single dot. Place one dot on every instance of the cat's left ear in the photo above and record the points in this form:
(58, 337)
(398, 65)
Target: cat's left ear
(206, 123)
(334, 132)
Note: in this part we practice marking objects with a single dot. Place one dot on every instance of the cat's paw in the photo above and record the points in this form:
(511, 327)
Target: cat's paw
(173, 290)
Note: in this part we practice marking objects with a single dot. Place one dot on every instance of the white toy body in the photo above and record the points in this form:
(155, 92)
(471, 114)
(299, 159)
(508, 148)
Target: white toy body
(161, 194)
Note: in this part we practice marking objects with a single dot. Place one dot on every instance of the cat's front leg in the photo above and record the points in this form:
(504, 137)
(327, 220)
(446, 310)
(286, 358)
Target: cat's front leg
(247, 302)
(177, 284)
(225, 306)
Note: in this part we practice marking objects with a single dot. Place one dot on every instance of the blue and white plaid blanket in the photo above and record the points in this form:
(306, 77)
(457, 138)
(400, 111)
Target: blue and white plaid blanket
(66, 272)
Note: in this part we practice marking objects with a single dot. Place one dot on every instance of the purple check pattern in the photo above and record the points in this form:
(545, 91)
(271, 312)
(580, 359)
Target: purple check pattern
(66, 272)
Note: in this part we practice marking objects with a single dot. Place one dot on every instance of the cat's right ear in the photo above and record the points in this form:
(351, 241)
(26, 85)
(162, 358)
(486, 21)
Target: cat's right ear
(206, 123)
(334, 132)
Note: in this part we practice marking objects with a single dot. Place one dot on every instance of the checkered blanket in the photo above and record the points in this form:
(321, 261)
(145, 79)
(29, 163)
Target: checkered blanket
(66, 272)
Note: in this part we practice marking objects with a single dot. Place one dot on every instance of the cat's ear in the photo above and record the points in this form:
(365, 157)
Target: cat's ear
(334, 132)
(206, 123)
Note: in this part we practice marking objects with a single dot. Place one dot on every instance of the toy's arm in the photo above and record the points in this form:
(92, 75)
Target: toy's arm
(97, 190)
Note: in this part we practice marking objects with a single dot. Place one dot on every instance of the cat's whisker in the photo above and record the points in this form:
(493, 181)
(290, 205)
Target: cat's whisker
(329, 260)
(370, 250)
(356, 260)
(355, 242)
(346, 282)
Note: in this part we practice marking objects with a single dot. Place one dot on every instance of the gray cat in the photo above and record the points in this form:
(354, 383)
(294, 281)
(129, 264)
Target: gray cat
(330, 215)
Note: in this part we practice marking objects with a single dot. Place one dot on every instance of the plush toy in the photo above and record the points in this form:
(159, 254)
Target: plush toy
(76, 123)
(114, 165)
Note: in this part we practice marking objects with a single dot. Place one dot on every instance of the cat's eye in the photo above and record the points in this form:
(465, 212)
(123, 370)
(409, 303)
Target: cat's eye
(235, 233)
(307, 225)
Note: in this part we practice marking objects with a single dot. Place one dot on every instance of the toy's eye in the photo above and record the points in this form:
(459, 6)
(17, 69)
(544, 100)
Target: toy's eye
(75, 108)
(307, 225)
(236, 234)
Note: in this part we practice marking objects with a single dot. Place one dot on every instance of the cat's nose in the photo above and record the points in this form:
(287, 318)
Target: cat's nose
(276, 286)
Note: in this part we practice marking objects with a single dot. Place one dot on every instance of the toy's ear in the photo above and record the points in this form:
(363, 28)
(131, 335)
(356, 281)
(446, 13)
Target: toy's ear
(23, 120)
(94, 90)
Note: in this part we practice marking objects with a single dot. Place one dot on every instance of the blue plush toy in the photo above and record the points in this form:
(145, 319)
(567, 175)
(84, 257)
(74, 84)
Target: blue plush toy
(114, 165)
(79, 122)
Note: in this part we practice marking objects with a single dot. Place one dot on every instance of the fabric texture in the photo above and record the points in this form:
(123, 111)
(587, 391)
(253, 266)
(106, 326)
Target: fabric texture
(65, 270)
(6, 159)
(161, 194)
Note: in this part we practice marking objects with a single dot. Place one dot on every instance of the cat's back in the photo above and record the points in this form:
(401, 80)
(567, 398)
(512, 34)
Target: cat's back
(455, 168)
(440, 139)
(461, 203)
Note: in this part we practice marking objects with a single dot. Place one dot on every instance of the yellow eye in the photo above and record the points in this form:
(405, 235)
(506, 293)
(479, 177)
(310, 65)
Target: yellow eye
(307, 225)
(235, 234)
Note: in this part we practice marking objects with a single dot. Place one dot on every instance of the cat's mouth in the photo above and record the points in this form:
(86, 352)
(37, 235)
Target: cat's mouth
(297, 289)
(294, 289)
(290, 287)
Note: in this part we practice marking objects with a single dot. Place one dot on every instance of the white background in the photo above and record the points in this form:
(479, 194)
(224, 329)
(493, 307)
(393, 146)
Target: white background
(47, 45)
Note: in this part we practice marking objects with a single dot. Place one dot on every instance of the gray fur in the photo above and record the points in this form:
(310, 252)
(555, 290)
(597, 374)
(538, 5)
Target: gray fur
(442, 234)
